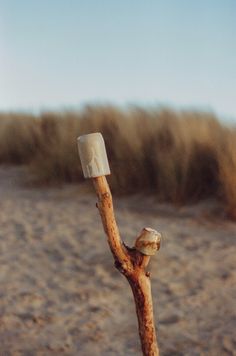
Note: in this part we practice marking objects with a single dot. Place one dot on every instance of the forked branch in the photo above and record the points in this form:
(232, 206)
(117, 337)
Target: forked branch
(131, 263)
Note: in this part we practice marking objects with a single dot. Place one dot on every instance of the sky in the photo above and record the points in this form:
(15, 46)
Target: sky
(65, 53)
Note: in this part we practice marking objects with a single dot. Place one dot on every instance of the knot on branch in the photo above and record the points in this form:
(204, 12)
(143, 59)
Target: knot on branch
(123, 268)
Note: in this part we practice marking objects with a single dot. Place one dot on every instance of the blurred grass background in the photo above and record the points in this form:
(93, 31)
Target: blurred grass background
(181, 156)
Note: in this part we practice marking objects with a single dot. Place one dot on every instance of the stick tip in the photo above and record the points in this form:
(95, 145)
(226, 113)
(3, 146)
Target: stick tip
(93, 155)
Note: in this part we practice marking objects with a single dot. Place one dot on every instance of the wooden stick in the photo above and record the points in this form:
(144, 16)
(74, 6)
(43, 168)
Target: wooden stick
(105, 207)
(132, 264)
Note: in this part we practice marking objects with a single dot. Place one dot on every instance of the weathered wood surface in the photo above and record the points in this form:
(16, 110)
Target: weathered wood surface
(132, 264)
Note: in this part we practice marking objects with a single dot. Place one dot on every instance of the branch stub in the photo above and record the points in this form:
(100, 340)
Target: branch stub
(148, 242)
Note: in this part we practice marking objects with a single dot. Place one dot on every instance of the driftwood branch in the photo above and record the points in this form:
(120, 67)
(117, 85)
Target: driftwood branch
(132, 264)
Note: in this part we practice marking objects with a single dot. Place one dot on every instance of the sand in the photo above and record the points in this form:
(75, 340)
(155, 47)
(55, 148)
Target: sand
(61, 295)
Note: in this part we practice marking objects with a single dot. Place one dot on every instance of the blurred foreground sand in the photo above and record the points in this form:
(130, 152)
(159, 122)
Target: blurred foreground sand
(61, 295)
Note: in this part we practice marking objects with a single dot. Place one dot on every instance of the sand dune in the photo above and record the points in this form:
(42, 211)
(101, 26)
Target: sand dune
(61, 295)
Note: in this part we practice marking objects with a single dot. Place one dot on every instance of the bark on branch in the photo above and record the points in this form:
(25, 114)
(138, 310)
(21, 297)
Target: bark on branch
(131, 263)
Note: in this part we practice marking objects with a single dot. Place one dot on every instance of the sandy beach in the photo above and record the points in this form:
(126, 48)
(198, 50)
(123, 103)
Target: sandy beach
(61, 295)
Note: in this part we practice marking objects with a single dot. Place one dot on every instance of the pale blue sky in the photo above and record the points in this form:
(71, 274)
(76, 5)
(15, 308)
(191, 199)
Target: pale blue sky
(63, 53)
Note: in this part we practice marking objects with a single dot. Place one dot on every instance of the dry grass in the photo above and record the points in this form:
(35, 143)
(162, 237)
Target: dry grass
(227, 172)
(180, 156)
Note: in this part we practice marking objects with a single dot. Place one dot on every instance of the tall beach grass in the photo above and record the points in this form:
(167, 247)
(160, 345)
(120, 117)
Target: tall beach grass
(181, 157)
